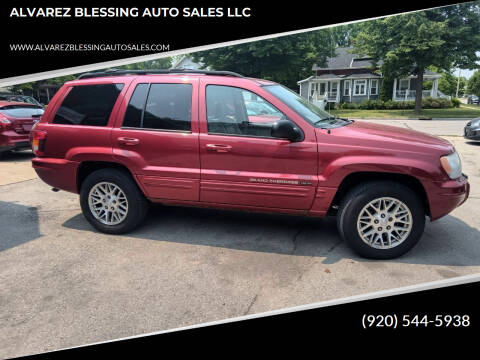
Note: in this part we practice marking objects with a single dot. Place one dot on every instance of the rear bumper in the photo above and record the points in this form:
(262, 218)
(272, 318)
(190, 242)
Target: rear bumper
(10, 140)
(445, 196)
(58, 173)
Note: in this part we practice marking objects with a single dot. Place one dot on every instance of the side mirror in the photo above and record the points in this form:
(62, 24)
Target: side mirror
(285, 129)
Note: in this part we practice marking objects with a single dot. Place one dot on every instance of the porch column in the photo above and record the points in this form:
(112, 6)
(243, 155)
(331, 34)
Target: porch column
(309, 91)
(434, 88)
(351, 88)
(395, 89)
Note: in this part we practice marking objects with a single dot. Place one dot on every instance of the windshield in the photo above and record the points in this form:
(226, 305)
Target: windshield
(313, 114)
(22, 111)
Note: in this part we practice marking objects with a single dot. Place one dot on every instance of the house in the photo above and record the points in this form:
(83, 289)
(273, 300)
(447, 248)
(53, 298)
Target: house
(349, 77)
(186, 62)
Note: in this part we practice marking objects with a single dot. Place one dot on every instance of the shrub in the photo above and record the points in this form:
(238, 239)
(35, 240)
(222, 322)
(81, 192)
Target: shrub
(433, 103)
(427, 103)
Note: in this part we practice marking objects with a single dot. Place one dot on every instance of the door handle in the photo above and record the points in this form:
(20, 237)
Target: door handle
(128, 141)
(218, 148)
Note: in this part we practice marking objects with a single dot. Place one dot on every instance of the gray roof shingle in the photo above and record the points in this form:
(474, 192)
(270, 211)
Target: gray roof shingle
(344, 59)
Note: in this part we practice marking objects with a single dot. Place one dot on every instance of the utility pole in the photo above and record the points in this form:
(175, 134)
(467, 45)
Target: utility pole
(458, 83)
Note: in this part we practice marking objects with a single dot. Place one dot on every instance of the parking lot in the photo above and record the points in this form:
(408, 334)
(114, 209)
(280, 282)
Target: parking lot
(64, 284)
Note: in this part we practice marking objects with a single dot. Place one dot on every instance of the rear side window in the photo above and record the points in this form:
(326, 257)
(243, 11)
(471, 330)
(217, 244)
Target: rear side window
(160, 106)
(88, 105)
(22, 111)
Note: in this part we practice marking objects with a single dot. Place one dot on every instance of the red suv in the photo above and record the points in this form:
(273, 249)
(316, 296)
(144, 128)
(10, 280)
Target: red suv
(124, 139)
(16, 121)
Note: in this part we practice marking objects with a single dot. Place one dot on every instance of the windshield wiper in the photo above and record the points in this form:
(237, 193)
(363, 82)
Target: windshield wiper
(324, 119)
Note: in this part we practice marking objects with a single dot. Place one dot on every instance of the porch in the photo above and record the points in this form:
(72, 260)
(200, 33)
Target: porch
(404, 89)
(330, 88)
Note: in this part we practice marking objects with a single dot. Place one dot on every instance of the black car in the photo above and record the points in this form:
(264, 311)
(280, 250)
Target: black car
(472, 130)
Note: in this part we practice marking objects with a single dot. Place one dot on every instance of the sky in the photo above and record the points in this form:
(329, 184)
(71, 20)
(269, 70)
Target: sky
(467, 73)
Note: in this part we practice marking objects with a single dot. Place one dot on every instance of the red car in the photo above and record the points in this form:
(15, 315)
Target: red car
(16, 121)
(125, 139)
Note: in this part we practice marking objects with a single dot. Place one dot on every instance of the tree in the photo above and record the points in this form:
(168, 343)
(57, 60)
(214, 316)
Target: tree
(473, 86)
(163, 63)
(343, 35)
(447, 84)
(285, 59)
(407, 44)
(34, 87)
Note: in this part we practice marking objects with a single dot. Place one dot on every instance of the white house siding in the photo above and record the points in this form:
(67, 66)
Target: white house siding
(304, 89)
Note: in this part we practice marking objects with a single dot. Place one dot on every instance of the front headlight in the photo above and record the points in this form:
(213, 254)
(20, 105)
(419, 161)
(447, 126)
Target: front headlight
(452, 165)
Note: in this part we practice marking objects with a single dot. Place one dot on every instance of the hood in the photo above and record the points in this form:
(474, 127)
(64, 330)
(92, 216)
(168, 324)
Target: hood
(474, 122)
(392, 137)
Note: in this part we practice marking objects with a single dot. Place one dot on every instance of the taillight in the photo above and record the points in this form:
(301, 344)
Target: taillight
(5, 124)
(37, 141)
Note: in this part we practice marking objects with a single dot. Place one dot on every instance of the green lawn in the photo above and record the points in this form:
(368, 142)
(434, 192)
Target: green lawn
(464, 111)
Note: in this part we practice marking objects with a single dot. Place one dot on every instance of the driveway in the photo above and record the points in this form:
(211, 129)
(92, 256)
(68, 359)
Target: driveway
(64, 284)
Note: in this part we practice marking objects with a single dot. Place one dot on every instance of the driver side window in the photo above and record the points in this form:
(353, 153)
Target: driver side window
(236, 111)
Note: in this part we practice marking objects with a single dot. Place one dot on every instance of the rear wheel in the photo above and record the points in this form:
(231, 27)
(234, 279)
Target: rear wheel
(112, 202)
(381, 220)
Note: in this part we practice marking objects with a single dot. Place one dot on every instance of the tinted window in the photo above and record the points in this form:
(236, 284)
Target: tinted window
(133, 115)
(168, 107)
(21, 111)
(88, 105)
(236, 111)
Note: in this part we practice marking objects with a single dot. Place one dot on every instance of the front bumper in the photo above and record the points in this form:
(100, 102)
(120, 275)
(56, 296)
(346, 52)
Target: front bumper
(471, 133)
(445, 196)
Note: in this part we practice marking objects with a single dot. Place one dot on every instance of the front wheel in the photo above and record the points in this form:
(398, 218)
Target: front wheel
(381, 220)
(112, 202)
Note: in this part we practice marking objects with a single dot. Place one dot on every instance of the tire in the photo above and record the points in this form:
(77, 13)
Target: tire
(130, 209)
(379, 243)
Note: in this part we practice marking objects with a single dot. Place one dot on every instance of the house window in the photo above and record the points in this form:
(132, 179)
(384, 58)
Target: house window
(404, 84)
(346, 88)
(360, 87)
(373, 87)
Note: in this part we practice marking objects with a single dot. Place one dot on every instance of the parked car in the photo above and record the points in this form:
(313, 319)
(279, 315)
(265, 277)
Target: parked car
(21, 98)
(472, 99)
(122, 140)
(472, 130)
(16, 121)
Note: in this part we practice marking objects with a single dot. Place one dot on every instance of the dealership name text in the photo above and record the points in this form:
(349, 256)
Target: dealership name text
(99, 12)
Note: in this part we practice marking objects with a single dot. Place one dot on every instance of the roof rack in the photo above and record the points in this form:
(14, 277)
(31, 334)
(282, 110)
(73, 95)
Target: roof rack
(122, 72)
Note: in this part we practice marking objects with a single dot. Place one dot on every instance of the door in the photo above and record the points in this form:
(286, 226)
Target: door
(158, 138)
(241, 163)
(323, 88)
